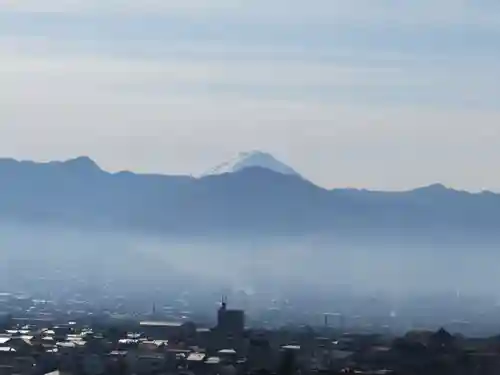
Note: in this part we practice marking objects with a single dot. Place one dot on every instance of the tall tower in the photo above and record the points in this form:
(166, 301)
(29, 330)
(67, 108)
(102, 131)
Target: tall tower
(230, 321)
(223, 302)
(222, 310)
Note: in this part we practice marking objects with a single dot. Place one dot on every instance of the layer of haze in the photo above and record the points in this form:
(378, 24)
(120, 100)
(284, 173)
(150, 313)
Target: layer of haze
(57, 260)
(375, 94)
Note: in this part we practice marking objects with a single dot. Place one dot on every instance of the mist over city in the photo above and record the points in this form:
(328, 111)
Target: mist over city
(264, 187)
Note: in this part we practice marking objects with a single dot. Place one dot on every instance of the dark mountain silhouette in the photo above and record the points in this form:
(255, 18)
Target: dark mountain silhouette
(249, 201)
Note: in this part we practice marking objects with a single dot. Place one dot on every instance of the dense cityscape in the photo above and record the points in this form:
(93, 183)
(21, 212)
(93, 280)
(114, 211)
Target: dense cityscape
(39, 337)
(249, 187)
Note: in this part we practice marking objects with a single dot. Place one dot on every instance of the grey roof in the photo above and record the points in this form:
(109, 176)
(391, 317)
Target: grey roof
(196, 357)
(213, 361)
(291, 347)
(161, 324)
(227, 351)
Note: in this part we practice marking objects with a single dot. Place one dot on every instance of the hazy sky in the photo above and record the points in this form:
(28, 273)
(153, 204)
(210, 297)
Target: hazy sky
(384, 94)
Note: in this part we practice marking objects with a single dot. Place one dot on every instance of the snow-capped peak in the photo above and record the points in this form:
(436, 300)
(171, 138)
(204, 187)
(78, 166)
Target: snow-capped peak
(252, 159)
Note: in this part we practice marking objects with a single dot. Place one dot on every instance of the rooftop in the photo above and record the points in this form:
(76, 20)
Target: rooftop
(213, 361)
(227, 351)
(291, 347)
(203, 330)
(196, 357)
(18, 332)
(161, 324)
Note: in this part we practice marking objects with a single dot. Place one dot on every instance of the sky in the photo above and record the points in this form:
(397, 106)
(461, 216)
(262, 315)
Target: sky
(378, 94)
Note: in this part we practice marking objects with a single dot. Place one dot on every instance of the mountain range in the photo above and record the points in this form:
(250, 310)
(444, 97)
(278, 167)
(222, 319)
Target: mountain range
(252, 195)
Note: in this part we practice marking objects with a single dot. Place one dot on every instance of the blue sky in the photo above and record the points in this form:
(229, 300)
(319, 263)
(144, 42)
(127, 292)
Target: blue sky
(363, 93)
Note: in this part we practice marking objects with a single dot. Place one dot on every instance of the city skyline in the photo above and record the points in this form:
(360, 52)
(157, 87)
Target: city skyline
(366, 94)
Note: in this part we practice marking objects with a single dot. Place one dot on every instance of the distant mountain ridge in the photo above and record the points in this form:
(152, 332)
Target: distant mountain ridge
(248, 201)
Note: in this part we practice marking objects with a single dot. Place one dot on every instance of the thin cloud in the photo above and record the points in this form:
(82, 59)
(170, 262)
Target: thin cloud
(420, 83)
(483, 13)
(116, 6)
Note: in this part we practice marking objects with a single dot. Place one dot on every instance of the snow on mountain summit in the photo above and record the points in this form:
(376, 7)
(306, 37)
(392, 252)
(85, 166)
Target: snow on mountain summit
(252, 159)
